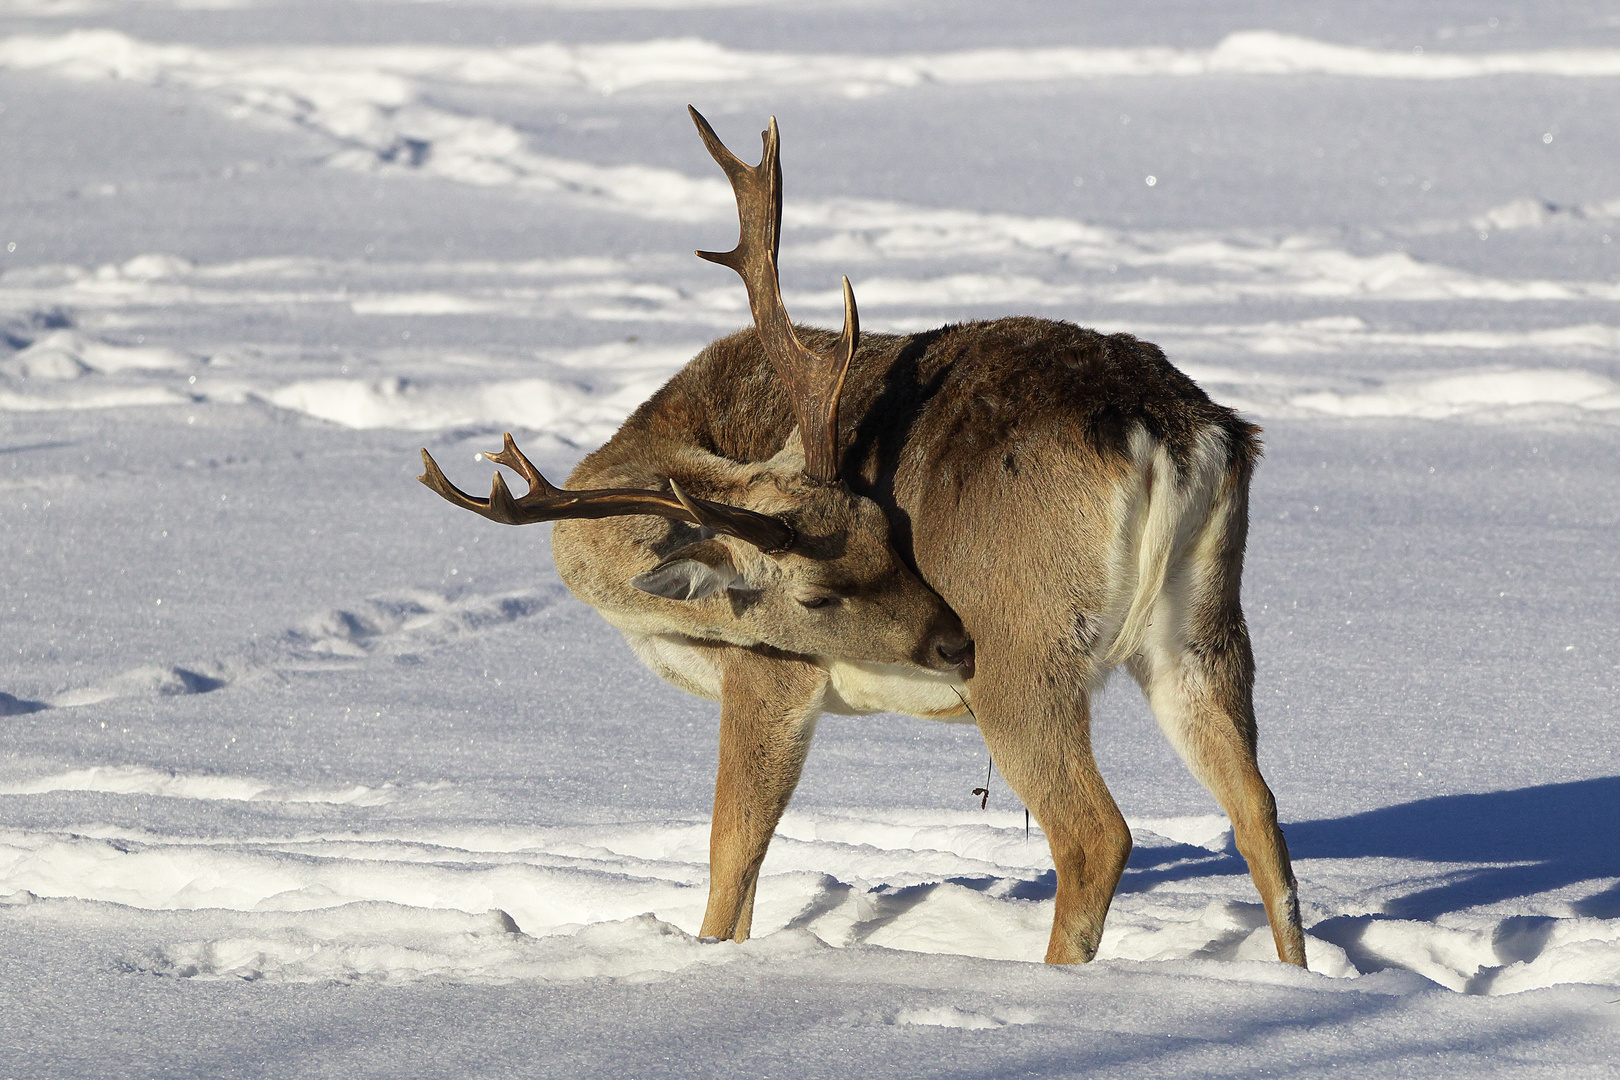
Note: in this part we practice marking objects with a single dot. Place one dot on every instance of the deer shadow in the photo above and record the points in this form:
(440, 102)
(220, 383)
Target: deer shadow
(1555, 835)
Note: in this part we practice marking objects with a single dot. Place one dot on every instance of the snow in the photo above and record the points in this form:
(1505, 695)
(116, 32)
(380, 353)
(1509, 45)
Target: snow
(303, 772)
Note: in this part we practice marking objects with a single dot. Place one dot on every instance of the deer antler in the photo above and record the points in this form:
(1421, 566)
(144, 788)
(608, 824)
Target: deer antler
(545, 502)
(813, 381)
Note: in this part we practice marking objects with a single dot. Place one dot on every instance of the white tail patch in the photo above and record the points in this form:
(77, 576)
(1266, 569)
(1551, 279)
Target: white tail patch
(1176, 507)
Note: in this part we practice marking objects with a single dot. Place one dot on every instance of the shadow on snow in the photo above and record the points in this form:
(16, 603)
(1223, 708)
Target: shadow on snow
(1556, 835)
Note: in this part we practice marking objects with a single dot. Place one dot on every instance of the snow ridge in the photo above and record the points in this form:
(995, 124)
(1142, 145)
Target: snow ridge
(585, 394)
(141, 780)
(598, 901)
(610, 68)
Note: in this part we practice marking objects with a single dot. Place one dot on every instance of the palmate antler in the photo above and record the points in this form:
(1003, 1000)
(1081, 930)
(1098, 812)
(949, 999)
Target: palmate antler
(813, 381)
(546, 502)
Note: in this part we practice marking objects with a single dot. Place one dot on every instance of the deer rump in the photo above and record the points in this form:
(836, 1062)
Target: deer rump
(978, 521)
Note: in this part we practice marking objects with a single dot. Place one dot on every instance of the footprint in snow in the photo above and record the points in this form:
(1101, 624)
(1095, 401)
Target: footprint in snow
(397, 626)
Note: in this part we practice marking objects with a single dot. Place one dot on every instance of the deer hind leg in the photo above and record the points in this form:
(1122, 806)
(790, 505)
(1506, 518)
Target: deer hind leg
(1037, 724)
(1198, 677)
(768, 710)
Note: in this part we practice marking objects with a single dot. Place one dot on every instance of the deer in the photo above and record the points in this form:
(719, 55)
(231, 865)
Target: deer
(985, 519)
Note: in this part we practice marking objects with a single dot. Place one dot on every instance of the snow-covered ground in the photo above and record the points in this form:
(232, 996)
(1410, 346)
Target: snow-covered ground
(303, 772)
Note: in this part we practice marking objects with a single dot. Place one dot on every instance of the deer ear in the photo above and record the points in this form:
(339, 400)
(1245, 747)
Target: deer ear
(692, 573)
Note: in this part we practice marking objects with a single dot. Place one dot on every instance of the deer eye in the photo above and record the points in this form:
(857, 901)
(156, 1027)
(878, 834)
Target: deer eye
(819, 602)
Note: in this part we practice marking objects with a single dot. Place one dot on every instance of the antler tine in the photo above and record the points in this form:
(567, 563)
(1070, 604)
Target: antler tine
(813, 381)
(546, 502)
(514, 459)
(762, 182)
(500, 506)
(435, 479)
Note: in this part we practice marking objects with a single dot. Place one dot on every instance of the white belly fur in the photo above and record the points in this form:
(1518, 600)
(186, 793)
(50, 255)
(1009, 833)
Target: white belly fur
(855, 688)
(859, 688)
(676, 660)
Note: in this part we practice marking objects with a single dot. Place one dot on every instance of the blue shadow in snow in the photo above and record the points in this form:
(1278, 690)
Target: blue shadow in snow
(1563, 834)
(1560, 834)
(13, 706)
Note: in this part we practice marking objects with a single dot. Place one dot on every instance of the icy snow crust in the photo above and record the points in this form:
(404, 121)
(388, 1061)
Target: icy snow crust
(305, 773)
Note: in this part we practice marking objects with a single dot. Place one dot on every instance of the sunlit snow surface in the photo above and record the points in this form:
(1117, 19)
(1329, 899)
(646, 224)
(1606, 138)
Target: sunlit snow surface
(305, 773)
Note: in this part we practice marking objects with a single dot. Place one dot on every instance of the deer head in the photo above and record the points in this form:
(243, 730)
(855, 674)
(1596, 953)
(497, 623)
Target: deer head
(793, 560)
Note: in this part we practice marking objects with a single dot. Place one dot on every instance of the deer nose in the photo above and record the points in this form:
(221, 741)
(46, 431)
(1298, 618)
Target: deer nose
(957, 652)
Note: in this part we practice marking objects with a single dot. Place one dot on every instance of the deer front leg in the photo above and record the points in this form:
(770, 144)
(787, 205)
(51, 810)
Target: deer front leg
(768, 710)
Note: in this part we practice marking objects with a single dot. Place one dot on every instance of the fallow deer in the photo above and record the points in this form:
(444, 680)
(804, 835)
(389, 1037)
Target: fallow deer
(984, 518)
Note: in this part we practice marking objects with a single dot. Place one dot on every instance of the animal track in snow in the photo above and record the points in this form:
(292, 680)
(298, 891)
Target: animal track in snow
(408, 622)
(394, 626)
(148, 680)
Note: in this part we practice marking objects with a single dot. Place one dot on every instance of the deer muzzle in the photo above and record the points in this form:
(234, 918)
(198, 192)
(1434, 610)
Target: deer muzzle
(948, 648)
